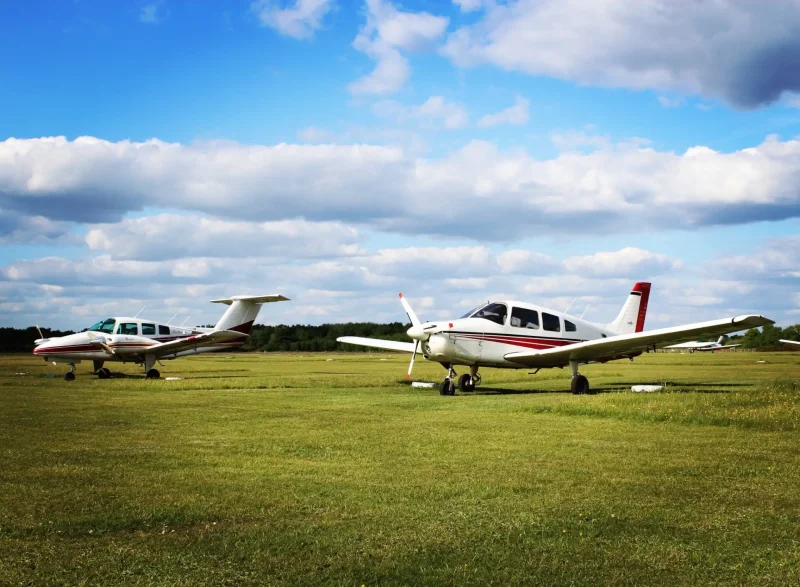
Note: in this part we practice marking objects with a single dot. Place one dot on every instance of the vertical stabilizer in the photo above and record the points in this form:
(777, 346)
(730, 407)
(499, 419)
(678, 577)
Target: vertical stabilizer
(243, 311)
(631, 316)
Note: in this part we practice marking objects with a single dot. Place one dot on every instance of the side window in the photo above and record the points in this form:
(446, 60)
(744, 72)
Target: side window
(128, 328)
(569, 326)
(163, 329)
(524, 318)
(550, 322)
(148, 329)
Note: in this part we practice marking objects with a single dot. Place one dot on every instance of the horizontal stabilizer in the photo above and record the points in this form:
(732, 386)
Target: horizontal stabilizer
(389, 345)
(252, 299)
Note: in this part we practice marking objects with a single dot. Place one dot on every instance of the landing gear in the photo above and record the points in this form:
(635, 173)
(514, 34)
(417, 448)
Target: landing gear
(465, 383)
(153, 374)
(70, 376)
(103, 373)
(447, 387)
(580, 385)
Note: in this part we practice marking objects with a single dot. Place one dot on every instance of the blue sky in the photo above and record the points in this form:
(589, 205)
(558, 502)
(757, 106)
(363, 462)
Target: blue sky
(455, 150)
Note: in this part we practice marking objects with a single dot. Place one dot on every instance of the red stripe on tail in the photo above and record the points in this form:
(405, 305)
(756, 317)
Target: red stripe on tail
(644, 289)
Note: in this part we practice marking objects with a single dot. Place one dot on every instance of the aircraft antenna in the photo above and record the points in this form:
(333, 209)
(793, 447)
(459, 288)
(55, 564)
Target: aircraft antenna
(171, 319)
(570, 305)
(184, 322)
(139, 312)
(584, 311)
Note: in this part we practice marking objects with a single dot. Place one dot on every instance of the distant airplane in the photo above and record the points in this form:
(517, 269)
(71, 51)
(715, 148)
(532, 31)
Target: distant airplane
(517, 335)
(702, 346)
(135, 340)
(789, 341)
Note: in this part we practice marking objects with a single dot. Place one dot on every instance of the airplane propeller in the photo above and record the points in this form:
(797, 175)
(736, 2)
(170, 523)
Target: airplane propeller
(100, 341)
(419, 332)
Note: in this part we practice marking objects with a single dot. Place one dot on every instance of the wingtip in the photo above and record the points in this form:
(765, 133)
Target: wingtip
(400, 294)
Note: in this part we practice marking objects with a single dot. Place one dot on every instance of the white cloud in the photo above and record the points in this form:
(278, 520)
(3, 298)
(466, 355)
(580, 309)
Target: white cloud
(576, 140)
(436, 112)
(627, 262)
(718, 49)
(298, 19)
(477, 191)
(672, 101)
(469, 5)
(153, 238)
(386, 32)
(516, 114)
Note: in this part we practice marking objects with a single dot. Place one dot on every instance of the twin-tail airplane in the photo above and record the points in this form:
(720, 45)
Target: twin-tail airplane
(517, 335)
(702, 346)
(143, 342)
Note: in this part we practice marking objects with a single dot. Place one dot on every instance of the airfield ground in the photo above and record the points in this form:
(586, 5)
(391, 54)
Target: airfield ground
(300, 470)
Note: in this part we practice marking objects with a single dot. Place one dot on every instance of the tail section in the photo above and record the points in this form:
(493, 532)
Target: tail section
(631, 316)
(243, 311)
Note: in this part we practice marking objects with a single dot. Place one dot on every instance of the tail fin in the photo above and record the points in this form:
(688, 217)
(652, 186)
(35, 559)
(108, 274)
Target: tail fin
(631, 316)
(720, 339)
(243, 311)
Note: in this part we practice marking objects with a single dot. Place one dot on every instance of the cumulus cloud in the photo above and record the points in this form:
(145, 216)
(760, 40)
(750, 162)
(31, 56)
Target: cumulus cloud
(386, 33)
(477, 191)
(298, 19)
(630, 262)
(747, 53)
(516, 114)
(469, 5)
(153, 238)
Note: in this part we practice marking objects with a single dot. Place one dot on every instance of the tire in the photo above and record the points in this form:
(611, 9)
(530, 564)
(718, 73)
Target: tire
(108, 372)
(103, 373)
(580, 385)
(153, 374)
(69, 376)
(447, 388)
(466, 384)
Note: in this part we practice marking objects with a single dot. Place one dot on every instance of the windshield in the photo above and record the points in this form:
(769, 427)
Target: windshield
(472, 311)
(106, 325)
(493, 312)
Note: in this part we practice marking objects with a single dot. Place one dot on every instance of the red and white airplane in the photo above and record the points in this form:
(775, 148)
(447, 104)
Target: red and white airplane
(702, 346)
(135, 340)
(517, 335)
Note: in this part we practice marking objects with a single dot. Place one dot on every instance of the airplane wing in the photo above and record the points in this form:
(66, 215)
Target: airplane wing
(625, 345)
(716, 348)
(389, 345)
(190, 342)
(789, 341)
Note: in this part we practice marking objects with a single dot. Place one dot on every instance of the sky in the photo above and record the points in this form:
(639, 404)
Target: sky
(163, 154)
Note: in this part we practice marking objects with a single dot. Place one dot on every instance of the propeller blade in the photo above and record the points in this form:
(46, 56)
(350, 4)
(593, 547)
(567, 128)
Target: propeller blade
(411, 364)
(40, 331)
(411, 315)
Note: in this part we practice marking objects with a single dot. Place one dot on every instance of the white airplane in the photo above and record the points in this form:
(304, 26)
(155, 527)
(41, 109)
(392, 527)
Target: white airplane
(702, 346)
(789, 341)
(517, 335)
(135, 340)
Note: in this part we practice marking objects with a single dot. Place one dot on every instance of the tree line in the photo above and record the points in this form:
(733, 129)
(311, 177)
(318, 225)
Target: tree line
(322, 338)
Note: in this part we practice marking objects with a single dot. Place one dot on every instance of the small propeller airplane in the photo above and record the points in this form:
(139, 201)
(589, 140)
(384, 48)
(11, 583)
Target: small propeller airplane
(135, 340)
(517, 335)
(702, 346)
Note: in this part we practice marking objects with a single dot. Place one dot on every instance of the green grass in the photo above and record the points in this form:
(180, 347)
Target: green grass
(297, 470)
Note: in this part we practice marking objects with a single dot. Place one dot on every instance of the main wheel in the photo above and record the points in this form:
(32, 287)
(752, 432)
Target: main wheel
(107, 372)
(153, 374)
(103, 373)
(447, 387)
(580, 385)
(465, 383)
(70, 376)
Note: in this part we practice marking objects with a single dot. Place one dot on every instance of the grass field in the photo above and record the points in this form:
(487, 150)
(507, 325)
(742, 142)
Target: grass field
(327, 469)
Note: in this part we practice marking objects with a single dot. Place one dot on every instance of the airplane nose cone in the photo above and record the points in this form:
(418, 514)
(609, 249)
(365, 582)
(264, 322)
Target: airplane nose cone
(417, 333)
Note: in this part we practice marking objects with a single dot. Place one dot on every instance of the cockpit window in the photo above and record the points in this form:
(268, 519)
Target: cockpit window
(471, 312)
(493, 312)
(106, 326)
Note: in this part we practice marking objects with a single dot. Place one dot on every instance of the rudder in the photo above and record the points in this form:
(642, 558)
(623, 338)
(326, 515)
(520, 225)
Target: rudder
(631, 317)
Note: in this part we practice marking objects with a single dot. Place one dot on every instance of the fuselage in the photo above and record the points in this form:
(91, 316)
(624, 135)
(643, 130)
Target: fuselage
(119, 339)
(483, 336)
